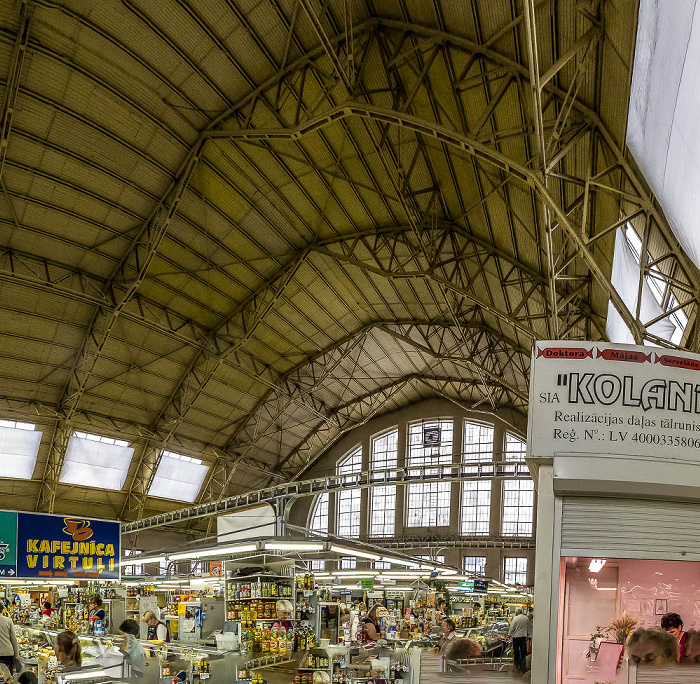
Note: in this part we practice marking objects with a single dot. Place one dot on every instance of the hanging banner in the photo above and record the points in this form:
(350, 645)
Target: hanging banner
(602, 398)
(40, 546)
(8, 544)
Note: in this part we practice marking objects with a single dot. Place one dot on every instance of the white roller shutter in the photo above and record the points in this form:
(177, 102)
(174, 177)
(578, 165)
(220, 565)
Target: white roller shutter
(665, 675)
(626, 528)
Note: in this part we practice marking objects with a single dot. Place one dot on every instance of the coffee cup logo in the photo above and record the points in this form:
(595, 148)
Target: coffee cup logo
(78, 528)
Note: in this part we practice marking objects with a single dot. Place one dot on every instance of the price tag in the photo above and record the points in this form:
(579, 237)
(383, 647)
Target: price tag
(204, 675)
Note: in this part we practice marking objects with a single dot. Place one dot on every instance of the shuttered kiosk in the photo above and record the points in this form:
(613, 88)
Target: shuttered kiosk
(614, 449)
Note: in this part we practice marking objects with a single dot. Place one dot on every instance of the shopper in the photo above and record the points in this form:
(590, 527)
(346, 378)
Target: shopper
(9, 650)
(27, 677)
(48, 610)
(157, 630)
(673, 624)
(371, 630)
(518, 630)
(67, 650)
(134, 653)
(441, 611)
(448, 634)
(652, 647)
(284, 610)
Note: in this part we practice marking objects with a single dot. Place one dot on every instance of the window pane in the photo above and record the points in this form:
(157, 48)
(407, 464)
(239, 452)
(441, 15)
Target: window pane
(515, 448)
(93, 462)
(383, 499)
(515, 571)
(319, 519)
(518, 499)
(476, 508)
(476, 565)
(178, 478)
(349, 500)
(429, 444)
(383, 511)
(478, 443)
(19, 447)
(385, 451)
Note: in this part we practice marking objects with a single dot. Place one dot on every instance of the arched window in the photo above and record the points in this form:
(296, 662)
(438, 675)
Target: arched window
(478, 443)
(319, 518)
(429, 444)
(350, 500)
(515, 449)
(385, 454)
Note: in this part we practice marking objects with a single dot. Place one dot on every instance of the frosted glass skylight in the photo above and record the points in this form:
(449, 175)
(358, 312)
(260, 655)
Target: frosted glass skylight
(19, 446)
(178, 477)
(96, 461)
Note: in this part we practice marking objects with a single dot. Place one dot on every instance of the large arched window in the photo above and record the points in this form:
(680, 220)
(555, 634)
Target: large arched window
(429, 445)
(350, 500)
(319, 518)
(476, 495)
(478, 443)
(385, 455)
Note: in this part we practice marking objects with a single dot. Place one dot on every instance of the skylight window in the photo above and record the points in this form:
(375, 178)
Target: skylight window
(96, 461)
(19, 446)
(656, 297)
(178, 477)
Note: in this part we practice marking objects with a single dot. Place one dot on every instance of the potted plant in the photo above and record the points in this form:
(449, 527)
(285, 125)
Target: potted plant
(599, 634)
(620, 628)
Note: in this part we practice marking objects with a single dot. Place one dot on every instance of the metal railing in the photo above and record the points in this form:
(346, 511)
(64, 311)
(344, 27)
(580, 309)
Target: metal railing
(283, 493)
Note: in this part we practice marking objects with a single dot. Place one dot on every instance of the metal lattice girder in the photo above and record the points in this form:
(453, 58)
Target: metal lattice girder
(429, 337)
(122, 287)
(454, 542)
(366, 479)
(13, 80)
(569, 131)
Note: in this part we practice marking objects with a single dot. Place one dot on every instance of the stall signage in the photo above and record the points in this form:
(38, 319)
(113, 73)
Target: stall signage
(481, 586)
(8, 544)
(367, 582)
(35, 545)
(595, 397)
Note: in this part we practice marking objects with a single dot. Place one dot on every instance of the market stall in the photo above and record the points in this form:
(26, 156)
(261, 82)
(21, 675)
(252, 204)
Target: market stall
(614, 456)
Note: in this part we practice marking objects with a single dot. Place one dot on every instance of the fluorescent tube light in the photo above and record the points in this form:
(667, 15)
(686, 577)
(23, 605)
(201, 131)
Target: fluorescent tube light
(221, 551)
(400, 561)
(597, 564)
(293, 546)
(139, 560)
(353, 552)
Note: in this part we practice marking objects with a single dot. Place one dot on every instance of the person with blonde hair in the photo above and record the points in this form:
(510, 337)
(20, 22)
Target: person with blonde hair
(157, 630)
(67, 650)
(284, 610)
(371, 624)
(652, 647)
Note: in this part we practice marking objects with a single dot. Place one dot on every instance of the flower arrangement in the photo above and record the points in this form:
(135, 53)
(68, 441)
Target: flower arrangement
(620, 628)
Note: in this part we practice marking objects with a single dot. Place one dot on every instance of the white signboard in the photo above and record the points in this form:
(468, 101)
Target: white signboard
(595, 397)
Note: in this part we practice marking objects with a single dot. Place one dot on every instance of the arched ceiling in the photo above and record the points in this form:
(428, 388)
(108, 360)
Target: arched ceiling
(238, 229)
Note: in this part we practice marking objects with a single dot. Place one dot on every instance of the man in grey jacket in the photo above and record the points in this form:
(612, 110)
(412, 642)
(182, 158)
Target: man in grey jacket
(518, 630)
(9, 650)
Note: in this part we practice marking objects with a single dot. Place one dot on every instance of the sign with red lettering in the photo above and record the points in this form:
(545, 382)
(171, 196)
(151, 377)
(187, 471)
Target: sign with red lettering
(601, 398)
